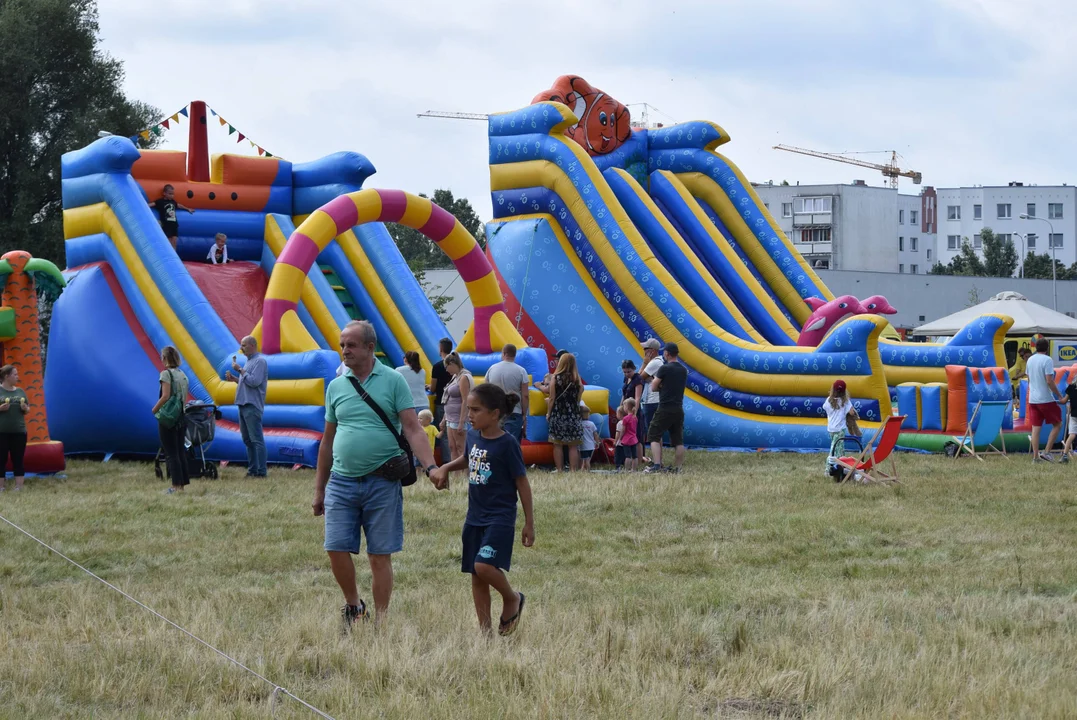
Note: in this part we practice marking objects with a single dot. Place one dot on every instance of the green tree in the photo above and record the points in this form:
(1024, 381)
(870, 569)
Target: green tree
(58, 88)
(1000, 256)
(1039, 266)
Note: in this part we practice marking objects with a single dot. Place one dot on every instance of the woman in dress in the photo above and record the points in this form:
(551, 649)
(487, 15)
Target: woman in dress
(173, 438)
(13, 409)
(413, 372)
(454, 424)
(563, 413)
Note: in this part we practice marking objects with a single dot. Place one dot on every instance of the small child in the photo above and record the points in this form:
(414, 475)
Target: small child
(618, 437)
(838, 407)
(426, 419)
(496, 477)
(166, 213)
(630, 438)
(590, 438)
(1071, 393)
(218, 253)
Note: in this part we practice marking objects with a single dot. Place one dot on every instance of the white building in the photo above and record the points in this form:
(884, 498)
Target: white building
(965, 212)
(856, 227)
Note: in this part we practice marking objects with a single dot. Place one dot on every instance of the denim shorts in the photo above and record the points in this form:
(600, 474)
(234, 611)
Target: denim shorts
(370, 504)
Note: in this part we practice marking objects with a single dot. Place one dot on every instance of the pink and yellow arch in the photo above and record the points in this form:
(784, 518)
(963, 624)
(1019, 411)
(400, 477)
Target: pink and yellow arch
(490, 329)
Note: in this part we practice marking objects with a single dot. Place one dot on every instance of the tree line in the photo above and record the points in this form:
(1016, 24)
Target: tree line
(998, 257)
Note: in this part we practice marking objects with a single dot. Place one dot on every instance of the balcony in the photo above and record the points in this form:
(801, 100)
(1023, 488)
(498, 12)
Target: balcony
(814, 249)
(819, 219)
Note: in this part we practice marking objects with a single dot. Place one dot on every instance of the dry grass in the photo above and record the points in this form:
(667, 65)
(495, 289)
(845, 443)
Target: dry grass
(749, 587)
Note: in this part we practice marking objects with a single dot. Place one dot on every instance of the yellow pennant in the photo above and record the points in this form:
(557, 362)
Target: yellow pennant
(223, 122)
(175, 118)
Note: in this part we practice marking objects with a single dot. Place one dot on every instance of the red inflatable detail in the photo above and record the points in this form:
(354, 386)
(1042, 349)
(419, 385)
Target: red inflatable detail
(235, 291)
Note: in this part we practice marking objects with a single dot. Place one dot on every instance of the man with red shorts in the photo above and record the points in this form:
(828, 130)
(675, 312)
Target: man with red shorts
(1043, 399)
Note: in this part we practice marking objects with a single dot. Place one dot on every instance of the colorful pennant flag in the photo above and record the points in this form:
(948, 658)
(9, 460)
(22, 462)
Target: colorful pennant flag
(223, 123)
(240, 138)
(175, 118)
(183, 112)
(231, 129)
(165, 124)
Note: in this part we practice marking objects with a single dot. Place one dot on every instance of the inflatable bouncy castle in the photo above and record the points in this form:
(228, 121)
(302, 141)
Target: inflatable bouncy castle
(130, 293)
(603, 238)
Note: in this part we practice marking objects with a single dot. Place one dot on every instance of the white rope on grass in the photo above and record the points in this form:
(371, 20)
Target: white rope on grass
(277, 689)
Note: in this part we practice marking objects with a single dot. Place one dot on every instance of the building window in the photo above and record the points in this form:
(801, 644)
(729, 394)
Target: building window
(929, 253)
(901, 216)
(815, 235)
(1003, 211)
(1030, 209)
(913, 215)
(1004, 237)
(787, 209)
(977, 241)
(953, 212)
(952, 242)
(1031, 241)
(977, 212)
(912, 244)
(914, 269)
(901, 244)
(1054, 211)
(1055, 240)
(901, 268)
(813, 205)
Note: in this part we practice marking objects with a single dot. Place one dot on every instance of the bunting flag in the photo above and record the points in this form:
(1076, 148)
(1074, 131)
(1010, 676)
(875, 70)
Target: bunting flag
(167, 123)
(170, 121)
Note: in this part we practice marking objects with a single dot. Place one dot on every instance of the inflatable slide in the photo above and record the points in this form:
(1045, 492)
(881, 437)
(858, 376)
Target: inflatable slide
(658, 236)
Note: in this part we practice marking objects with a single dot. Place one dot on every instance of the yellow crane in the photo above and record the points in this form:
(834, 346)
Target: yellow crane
(890, 170)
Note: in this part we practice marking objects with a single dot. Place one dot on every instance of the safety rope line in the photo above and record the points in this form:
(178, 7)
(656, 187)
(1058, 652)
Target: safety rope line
(277, 689)
(527, 277)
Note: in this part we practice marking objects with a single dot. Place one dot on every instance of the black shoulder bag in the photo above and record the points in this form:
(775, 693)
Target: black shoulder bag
(400, 467)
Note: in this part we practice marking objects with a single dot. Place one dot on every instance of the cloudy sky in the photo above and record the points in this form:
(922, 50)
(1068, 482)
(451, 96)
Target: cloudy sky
(968, 91)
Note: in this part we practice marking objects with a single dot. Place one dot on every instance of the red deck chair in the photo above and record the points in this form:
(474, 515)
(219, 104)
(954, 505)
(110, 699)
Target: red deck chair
(869, 461)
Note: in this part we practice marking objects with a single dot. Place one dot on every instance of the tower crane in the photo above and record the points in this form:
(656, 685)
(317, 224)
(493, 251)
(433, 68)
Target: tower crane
(453, 115)
(890, 170)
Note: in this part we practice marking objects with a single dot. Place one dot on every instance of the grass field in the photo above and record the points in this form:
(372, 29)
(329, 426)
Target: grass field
(748, 587)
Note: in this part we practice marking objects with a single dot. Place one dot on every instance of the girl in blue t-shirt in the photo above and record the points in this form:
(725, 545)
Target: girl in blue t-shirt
(496, 476)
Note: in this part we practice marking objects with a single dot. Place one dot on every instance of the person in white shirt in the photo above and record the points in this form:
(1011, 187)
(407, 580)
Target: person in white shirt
(413, 372)
(1043, 399)
(513, 379)
(218, 252)
(652, 360)
(838, 408)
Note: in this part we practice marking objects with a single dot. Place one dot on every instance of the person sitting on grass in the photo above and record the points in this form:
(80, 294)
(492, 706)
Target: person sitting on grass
(218, 253)
(496, 477)
(590, 438)
(838, 409)
(166, 206)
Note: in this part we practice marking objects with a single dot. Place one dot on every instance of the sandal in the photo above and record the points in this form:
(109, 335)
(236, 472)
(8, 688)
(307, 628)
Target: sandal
(508, 627)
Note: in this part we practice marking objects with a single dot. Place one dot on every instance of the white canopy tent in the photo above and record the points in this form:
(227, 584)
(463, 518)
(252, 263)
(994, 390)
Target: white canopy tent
(1029, 318)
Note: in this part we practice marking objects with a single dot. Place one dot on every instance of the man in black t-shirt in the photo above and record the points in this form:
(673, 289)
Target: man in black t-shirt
(165, 207)
(669, 382)
(439, 379)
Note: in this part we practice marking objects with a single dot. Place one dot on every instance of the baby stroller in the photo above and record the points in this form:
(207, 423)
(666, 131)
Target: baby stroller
(201, 428)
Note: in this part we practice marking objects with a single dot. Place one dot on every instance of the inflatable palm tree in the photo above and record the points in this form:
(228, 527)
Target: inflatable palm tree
(21, 277)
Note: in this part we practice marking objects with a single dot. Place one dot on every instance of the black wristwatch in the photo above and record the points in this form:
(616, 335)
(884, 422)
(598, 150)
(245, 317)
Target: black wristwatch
(430, 469)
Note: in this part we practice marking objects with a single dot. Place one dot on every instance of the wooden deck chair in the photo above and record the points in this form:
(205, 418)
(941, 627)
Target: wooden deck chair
(991, 414)
(868, 463)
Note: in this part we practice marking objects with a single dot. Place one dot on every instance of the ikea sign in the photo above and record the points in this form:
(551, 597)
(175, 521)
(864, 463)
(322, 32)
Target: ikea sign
(1067, 353)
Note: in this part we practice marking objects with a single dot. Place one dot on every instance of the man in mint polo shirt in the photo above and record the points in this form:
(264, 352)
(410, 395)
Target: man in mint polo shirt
(355, 499)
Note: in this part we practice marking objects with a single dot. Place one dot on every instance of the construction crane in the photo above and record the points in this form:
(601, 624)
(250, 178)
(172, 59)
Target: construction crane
(891, 171)
(453, 115)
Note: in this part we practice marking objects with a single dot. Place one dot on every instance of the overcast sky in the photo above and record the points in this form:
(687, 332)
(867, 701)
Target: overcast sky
(968, 91)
